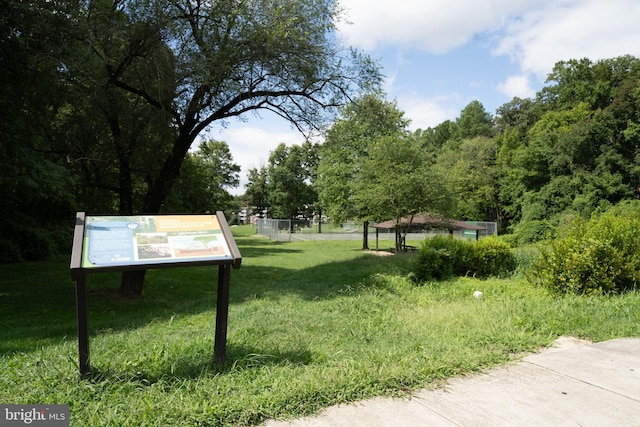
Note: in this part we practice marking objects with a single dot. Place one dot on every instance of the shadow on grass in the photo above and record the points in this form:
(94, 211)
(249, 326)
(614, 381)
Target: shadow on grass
(185, 367)
(255, 247)
(37, 300)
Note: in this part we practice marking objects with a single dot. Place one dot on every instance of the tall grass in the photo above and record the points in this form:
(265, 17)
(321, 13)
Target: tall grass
(310, 324)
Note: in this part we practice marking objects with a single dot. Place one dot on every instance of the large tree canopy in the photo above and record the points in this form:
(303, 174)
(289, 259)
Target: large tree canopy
(124, 87)
(347, 145)
(194, 63)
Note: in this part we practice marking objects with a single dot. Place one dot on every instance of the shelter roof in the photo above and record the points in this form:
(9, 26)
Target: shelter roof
(422, 221)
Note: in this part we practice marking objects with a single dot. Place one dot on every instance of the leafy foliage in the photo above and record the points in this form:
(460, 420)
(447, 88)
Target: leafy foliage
(109, 97)
(595, 256)
(288, 179)
(395, 181)
(474, 121)
(442, 257)
(471, 166)
(256, 192)
(347, 146)
(491, 257)
(204, 179)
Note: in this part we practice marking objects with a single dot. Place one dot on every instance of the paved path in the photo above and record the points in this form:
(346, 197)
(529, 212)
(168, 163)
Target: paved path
(573, 383)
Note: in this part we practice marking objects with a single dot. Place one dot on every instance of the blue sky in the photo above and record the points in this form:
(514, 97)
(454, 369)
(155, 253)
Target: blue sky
(438, 56)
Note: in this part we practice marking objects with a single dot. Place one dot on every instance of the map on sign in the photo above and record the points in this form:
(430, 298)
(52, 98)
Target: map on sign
(130, 240)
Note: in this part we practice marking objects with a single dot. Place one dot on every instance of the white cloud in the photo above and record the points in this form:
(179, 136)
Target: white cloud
(431, 25)
(251, 145)
(572, 30)
(389, 82)
(428, 112)
(534, 33)
(517, 86)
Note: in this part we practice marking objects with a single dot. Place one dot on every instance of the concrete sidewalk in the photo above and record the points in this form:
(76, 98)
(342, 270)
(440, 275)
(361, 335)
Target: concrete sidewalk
(573, 383)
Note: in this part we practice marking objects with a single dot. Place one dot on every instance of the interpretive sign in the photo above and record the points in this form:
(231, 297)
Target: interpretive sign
(121, 243)
(158, 239)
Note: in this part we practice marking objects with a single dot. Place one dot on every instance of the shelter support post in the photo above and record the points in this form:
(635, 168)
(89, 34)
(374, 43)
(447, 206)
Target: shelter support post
(222, 314)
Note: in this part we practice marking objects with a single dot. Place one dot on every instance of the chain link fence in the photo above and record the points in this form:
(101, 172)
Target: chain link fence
(286, 230)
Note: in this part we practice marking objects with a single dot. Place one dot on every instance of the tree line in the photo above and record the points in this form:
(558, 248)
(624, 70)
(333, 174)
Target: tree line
(570, 151)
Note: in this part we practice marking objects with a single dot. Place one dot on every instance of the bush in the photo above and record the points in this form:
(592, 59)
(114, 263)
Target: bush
(601, 255)
(442, 257)
(491, 257)
(436, 258)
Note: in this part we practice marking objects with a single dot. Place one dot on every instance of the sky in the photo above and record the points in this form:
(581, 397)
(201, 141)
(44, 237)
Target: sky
(438, 56)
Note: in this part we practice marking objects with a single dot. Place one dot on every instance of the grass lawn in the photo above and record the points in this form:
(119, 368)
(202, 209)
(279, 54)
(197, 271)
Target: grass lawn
(310, 324)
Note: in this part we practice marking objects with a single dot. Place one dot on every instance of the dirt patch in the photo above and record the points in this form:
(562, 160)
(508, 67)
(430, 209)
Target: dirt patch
(379, 253)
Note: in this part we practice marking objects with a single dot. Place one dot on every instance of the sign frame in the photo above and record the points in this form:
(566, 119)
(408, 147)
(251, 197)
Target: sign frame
(224, 253)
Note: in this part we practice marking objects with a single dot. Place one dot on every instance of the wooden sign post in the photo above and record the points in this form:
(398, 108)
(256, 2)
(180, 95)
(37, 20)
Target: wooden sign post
(121, 243)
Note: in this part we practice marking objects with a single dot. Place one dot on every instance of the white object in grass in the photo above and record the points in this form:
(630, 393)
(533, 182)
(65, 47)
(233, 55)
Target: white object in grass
(477, 294)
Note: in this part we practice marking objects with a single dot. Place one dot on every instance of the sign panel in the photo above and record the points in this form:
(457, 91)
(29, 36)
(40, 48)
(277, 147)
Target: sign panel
(111, 241)
(120, 243)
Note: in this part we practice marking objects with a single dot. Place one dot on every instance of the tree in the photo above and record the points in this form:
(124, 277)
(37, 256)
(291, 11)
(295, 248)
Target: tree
(433, 139)
(289, 181)
(396, 180)
(346, 147)
(474, 121)
(582, 81)
(579, 154)
(204, 178)
(256, 192)
(36, 188)
(199, 62)
(518, 114)
(471, 166)
(229, 58)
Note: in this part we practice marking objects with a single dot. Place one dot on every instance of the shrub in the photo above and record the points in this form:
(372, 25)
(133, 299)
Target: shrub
(491, 257)
(432, 264)
(525, 256)
(436, 258)
(601, 255)
(442, 257)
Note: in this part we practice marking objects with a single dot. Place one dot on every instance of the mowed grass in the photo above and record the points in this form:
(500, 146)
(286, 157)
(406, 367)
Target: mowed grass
(310, 324)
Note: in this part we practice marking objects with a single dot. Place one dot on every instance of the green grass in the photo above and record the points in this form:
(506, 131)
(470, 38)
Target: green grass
(310, 324)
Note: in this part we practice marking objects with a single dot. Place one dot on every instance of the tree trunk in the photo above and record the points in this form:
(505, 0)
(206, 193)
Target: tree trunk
(365, 236)
(132, 283)
(168, 174)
